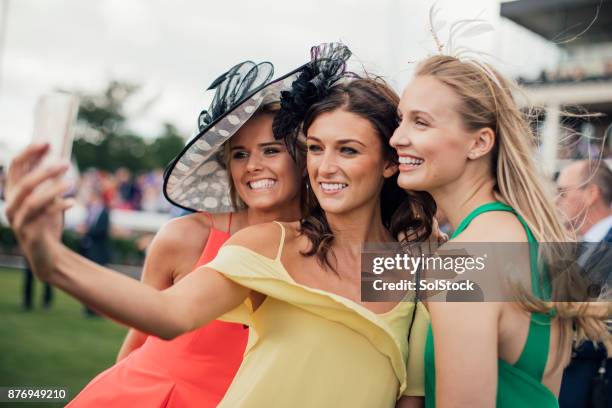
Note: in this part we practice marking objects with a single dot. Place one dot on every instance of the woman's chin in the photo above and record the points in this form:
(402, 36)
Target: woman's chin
(262, 203)
(409, 182)
(331, 207)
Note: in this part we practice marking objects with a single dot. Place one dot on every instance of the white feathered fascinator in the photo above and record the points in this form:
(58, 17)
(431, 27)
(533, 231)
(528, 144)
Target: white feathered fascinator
(460, 30)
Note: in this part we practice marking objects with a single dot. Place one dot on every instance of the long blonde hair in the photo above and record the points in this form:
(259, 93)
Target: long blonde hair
(487, 101)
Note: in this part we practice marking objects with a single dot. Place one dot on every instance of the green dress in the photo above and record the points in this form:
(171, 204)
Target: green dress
(519, 384)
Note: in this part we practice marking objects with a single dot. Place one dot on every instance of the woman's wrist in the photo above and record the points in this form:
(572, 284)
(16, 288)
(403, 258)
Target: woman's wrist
(42, 253)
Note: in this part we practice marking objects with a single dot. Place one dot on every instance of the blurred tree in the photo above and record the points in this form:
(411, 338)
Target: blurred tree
(102, 139)
(101, 121)
(167, 145)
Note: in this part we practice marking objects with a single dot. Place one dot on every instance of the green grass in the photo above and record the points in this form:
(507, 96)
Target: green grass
(58, 347)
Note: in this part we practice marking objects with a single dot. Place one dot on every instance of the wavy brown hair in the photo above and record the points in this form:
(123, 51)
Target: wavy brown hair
(407, 215)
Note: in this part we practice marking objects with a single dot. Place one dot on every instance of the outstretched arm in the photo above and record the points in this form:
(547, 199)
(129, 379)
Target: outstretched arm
(35, 208)
(195, 300)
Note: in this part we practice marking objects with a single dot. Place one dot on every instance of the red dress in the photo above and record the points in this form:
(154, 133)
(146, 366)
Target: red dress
(193, 370)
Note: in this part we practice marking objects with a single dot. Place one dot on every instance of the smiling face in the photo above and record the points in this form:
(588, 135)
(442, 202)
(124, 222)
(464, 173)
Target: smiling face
(345, 162)
(432, 142)
(263, 173)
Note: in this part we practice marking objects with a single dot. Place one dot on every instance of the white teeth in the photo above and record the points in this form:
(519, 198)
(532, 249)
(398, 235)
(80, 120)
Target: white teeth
(261, 184)
(410, 160)
(333, 186)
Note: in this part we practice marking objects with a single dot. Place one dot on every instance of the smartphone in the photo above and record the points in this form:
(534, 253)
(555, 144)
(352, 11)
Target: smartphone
(54, 121)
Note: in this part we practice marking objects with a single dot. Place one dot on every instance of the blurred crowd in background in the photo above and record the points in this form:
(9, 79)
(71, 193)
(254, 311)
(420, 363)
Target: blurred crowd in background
(124, 190)
(572, 72)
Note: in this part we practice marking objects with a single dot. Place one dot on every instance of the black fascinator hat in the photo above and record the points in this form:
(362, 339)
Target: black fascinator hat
(326, 67)
(196, 179)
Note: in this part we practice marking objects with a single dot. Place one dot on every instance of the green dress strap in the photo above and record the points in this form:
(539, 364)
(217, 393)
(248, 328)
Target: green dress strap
(494, 206)
(540, 285)
(521, 380)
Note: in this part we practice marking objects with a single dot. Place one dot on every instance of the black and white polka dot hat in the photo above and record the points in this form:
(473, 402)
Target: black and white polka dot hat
(196, 179)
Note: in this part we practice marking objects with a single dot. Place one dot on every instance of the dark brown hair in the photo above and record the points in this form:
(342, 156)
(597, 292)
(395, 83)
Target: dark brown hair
(407, 215)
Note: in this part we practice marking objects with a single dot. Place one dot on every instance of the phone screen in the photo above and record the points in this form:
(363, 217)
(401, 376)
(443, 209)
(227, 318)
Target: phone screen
(54, 119)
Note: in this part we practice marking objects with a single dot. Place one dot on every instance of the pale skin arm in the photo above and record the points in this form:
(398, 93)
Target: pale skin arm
(467, 335)
(134, 339)
(465, 344)
(158, 272)
(35, 214)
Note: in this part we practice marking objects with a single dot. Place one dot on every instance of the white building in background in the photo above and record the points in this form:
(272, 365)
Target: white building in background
(582, 29)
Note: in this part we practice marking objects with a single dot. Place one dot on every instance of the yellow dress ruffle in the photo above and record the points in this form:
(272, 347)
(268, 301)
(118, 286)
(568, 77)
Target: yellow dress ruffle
(311, 348)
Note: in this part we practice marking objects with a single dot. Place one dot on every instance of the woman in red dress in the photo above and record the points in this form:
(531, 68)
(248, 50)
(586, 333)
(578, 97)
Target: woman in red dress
(195, 369)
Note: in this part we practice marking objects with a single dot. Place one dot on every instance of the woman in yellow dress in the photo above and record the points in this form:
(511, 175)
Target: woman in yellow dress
(313, 342)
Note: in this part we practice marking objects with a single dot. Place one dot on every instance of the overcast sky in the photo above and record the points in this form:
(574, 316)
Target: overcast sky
(174, 49)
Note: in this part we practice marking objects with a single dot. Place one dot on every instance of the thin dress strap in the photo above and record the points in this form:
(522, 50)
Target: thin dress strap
(282, 241)
(215, 240)
(229, 222)
(494, 206)
(211, 219)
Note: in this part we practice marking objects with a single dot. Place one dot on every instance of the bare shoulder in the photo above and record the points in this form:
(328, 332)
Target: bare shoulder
(221, 221)
(170, 255)
(172, 234)
(457, 312)
(494, 226)
(263, 238)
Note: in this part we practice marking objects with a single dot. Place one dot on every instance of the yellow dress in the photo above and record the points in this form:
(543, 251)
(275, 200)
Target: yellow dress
(311, 348)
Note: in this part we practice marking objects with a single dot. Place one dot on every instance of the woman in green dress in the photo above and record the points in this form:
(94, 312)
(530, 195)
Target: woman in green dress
(463, 139)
